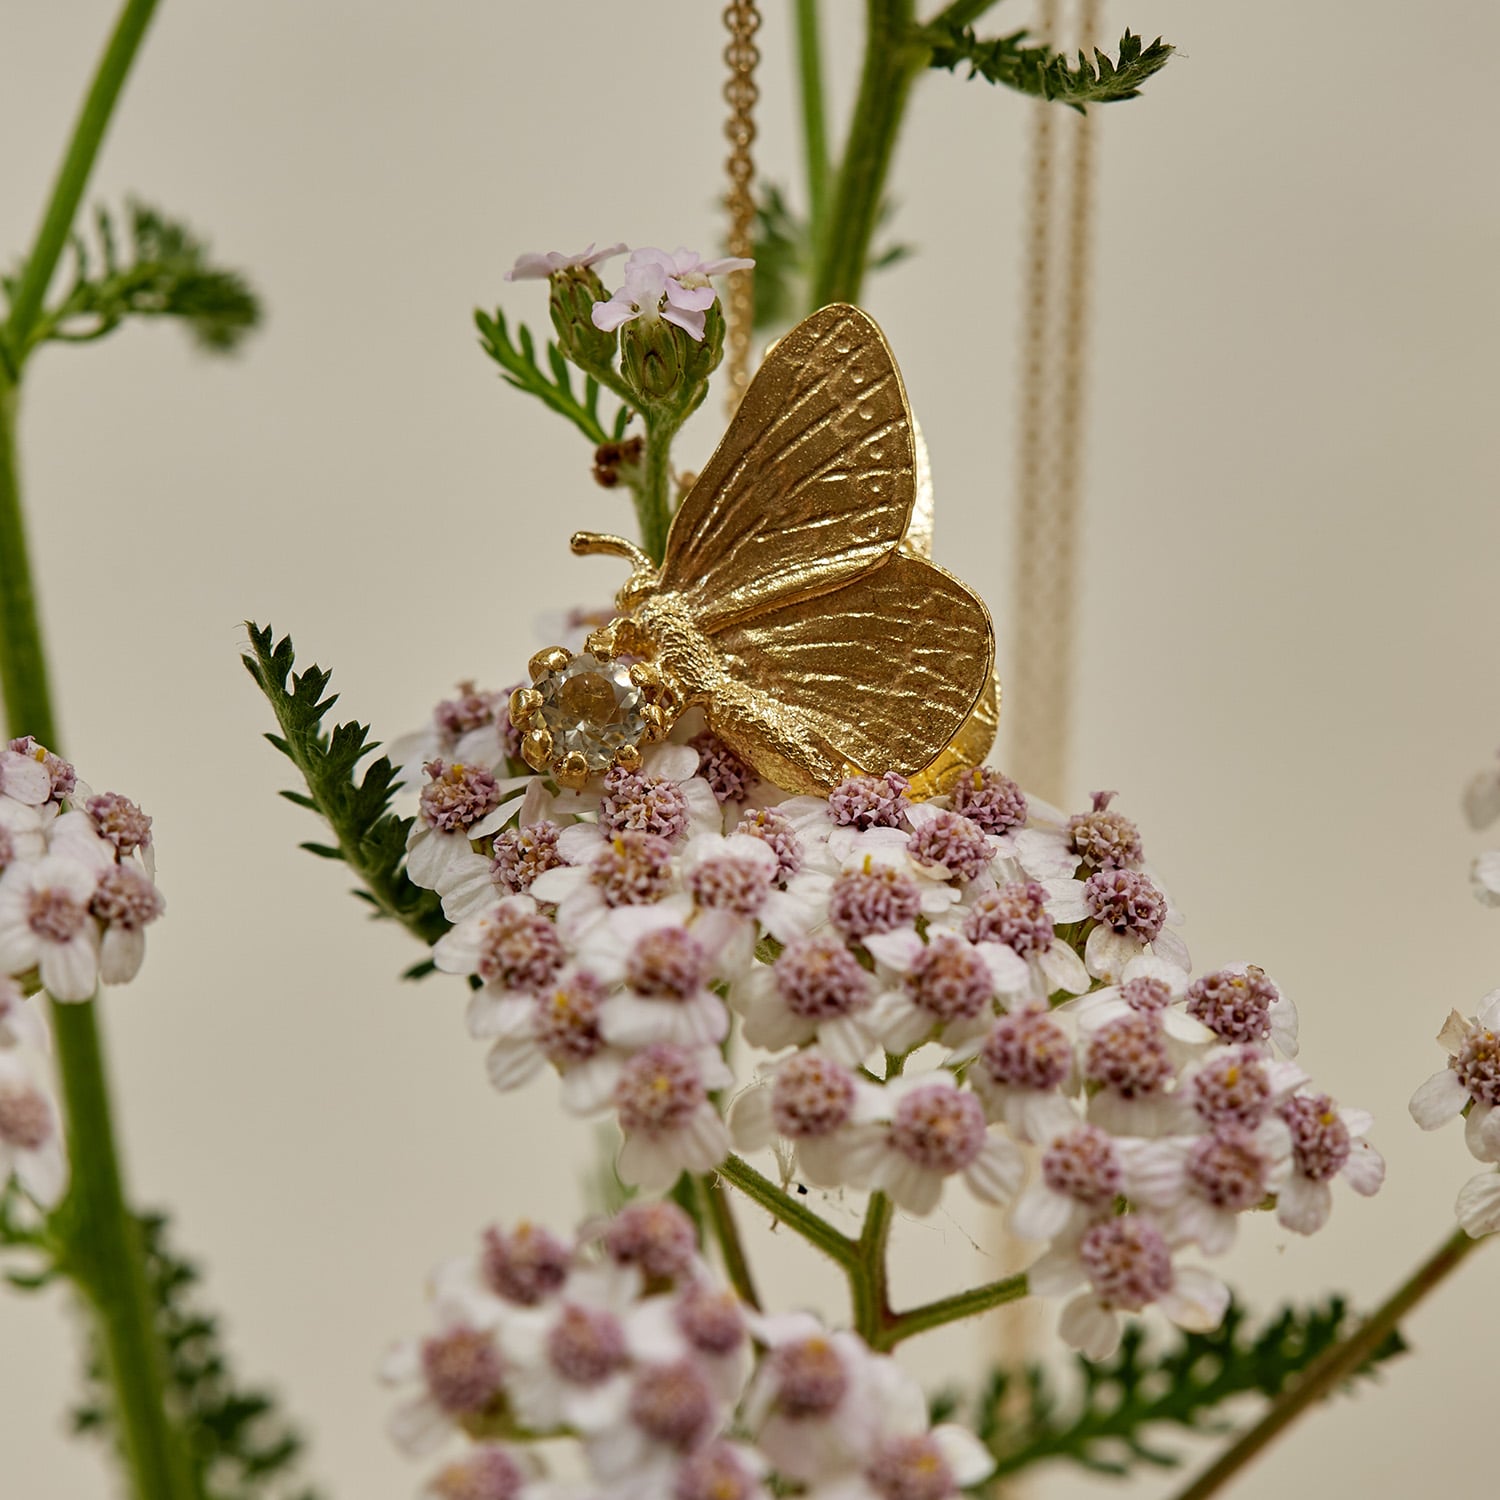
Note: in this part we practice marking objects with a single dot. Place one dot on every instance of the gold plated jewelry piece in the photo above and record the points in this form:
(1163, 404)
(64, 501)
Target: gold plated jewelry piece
(740, 93)
(796, 602)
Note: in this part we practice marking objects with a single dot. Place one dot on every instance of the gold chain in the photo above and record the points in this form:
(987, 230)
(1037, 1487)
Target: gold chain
(742, 19)
(1050, 448)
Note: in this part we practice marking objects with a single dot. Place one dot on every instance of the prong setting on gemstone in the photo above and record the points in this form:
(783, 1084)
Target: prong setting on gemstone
(587, 712)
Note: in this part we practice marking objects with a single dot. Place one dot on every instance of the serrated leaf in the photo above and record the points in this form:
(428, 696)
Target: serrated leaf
(519, 367)
(1111, 1422)
(1043, 73)
(370, 838)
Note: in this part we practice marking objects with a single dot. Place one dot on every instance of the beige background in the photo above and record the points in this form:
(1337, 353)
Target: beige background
(1287, 593)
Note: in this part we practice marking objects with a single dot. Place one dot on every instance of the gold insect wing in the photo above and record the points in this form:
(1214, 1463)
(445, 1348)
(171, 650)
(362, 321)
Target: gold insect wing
(795, 602)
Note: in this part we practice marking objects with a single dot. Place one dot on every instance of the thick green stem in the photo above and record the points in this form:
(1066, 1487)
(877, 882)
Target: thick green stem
(894, 55)
(872, 1309)
(814, 1229)
(727, 1233)
(73, 175)
(1333, 1367)
(906, 1325)
(653, 502)
(814, 127)
(23, 663)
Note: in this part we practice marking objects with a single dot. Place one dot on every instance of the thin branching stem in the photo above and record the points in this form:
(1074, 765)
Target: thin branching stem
(1334, 1367)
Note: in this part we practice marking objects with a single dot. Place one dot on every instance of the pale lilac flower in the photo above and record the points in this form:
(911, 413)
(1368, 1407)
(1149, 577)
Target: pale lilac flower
(1021, 1072)
(460, 1374)
(126, 901)
(936, 1130)
(538, 265)
(1018, 915)
(509, 946)
(722, 1471)
(568, 1357)
(31, 1143)
(490, 1471)
(1242, 1003)
(21, 1024)
(672, 286)
(62, 779)
(658, 1237)
(45, 924)
(821, 1111)
(1223, 1174)
(1470, 1081)
(816, 991)
(669, 1413)
(947, 990)
(559, 1025)
(665, 966)
(1478, 1205)
(21, 833)
(1327, 1142)
(460, 803)
(809, 1406)
(908, 1459)
(1151, 984)
(1082, 1172)
(732, 881)
(700, 1321)
(24, 778)
(670, 1123)
(628, 869)
(1235, 1086)
(1126, 1265)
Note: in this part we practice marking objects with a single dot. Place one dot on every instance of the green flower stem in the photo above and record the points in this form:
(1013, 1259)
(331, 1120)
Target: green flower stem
(894, 55)
(653, 502)
(902, 1326)
(1333, 1367)
(812, 1227)
(814, 128)
(962, 12)
(98, 1239)
(727, 1233)
(99, 1243)
(872, 1308)
(73, 175)
(23, 663)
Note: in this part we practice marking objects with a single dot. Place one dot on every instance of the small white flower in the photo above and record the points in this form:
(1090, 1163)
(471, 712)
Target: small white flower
(816, 991)
(24, 778)
(1126, 1263)
(1478, 1205)
(936, 1130)
(1471, 1081)
(821, 1110)
(1151, 984)
(45, 924)
(1485, 877)
(538, 265)
(31, 1143)
(21, 830)
(460, 1372)
(671, 1125)
(21, 1024)
(1327, 1142)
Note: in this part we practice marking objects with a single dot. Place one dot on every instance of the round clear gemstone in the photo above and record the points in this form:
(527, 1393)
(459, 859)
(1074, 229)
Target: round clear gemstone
(591, 707)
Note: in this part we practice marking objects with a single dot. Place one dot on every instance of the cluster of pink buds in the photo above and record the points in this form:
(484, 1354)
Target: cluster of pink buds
(918, 990)
(664, 1384)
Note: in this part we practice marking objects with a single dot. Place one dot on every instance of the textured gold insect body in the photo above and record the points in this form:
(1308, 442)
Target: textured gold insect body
(795, 603)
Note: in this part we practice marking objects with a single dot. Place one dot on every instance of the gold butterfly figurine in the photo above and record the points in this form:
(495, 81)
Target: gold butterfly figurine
(796, 602)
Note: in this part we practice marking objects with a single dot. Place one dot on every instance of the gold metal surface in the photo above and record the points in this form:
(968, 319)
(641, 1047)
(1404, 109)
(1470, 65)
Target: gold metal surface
(795, 602)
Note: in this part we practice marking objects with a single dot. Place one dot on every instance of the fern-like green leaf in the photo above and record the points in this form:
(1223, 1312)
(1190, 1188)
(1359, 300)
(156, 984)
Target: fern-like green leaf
(162, 270)
(242, 1447)
(369, 837)
(553, 386)
(1038, 70)
(1113, 1421)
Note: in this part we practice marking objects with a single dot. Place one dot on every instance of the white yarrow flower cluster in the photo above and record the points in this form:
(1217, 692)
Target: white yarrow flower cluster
(930, 986)
(663, 1382)
(77, 892)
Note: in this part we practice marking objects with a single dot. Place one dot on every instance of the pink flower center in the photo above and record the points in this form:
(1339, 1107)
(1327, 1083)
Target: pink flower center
(952, 843)
(1236, 1007)
(521, 854)
(633, 869)
(457, 796)
(463, 1370)
(566, 1021)
(526, 1266)
(950, 980)
(490, 1474)
(1129, 1055)
(939, 1128)
(673, 1403)
(870, 802)
(1127, 1261)
(1083, 1165)
(586, 1345)
(25, 1117)
(876, 899)
(714, 1474)
(911, 1467)
(635, 803)
(120, 821)
(810, 1378)
(731, 779)
(1104, 840)
(1027, 1050)
(711, 1319)
(126, 897)
(730, 882)
(990, 799)
(1320, 1139)
(1228, 1170)
(1125, 901)
(659, 1089)
(657, 1237)
(1478, 1065)
(1233, 1089)
(818, 978)
(812, 1096)
(55, 915)
(519, 950)
(667, 964)
(1013, 914)
(775, 831)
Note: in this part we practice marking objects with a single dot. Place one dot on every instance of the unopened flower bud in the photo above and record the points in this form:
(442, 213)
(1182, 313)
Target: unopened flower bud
(573, 291)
